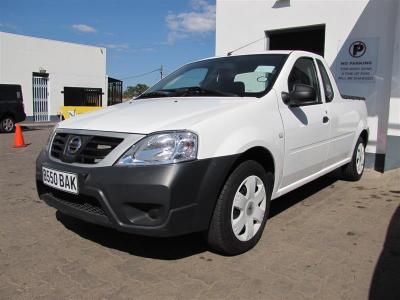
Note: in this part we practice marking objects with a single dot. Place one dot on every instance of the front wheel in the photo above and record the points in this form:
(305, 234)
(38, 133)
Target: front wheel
(242, 209)
(355, 168)
(7, 124)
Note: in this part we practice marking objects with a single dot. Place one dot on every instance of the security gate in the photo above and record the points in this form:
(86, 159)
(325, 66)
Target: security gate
(40, 97)
(114, 91)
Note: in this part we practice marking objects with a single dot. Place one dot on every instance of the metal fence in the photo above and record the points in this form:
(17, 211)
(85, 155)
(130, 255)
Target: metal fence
(114, 91)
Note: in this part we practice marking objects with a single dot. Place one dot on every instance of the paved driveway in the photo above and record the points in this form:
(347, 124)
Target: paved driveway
(329, 240)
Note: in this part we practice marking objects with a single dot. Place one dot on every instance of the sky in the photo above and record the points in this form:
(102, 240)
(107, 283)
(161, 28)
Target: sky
(140, 36)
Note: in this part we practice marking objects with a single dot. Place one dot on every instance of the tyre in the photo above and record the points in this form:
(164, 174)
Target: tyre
(241, 210)
(7, 124)
(355, 168)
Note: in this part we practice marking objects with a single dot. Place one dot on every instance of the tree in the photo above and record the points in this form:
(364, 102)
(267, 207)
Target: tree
(132, 91)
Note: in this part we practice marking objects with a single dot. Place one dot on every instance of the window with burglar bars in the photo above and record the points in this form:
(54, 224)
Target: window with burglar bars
(114, 91)
(78, 96)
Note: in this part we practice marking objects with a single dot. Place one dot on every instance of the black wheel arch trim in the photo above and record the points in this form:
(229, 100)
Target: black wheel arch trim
(254, 153)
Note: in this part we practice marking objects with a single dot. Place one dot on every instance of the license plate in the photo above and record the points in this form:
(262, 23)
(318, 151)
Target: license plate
(67, 182)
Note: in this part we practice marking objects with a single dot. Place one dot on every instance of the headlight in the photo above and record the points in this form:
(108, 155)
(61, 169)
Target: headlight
(162, 148)
(53, 132)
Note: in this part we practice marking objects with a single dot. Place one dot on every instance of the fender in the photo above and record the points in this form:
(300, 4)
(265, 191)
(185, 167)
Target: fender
(239, 132)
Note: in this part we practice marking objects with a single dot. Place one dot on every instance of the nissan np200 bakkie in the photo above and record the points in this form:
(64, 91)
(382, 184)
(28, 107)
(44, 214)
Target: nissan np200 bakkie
(206, 149)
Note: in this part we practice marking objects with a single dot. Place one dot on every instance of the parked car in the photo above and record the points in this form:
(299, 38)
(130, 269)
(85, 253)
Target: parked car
(206, 149)
(11, 107)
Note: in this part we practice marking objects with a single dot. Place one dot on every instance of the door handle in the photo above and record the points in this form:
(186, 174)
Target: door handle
(325, 119)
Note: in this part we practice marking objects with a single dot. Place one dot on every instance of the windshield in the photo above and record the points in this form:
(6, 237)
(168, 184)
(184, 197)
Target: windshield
(240, 76)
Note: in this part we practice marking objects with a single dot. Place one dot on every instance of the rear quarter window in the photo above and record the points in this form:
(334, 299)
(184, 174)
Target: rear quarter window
(10, 92)
(328, 89)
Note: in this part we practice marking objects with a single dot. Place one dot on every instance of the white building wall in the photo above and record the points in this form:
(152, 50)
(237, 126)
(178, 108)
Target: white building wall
(67, 64)
(394, 113)
(241, 22)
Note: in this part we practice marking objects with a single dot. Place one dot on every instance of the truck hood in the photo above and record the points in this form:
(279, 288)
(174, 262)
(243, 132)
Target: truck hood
(145, 116)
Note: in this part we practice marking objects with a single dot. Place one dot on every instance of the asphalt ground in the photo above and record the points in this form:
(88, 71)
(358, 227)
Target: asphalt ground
(330, 239)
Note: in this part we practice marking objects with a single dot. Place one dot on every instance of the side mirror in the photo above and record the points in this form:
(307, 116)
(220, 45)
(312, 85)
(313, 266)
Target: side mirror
(302, 94)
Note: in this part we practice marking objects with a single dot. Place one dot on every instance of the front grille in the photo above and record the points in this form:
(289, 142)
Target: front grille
(92, 151)
(57, 148)
(82, 202)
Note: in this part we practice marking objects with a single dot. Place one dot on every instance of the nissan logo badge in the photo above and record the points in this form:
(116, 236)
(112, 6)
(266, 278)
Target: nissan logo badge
(74, 145)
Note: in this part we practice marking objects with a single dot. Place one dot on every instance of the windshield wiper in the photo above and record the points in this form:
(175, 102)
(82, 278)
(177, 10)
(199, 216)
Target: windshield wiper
(156, 94)
(185, 91)
(196, 90)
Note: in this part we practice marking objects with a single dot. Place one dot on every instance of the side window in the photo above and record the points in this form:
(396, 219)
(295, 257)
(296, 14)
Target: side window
(9, 92)
(190, 78)
(304, 72)
(326, 82)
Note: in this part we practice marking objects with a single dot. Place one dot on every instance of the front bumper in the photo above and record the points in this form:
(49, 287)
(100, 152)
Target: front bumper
(163, 200)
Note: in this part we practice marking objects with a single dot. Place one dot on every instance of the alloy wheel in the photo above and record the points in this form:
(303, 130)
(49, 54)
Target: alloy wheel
(7, 124)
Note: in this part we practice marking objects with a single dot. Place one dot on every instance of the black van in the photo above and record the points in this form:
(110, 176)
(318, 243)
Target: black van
(11, 107)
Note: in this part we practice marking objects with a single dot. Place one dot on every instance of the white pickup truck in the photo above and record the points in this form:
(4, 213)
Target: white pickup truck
(206, 148)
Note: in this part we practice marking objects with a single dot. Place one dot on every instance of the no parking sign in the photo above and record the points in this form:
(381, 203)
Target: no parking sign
(357, 60)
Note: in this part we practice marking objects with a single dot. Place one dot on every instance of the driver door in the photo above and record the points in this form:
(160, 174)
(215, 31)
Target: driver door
(307, 128)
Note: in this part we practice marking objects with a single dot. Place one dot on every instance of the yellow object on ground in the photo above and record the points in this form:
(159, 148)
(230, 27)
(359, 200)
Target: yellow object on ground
(71, 111)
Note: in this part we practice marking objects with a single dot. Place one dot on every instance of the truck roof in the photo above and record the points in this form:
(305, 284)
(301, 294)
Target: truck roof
(286, 52)
(263, 52)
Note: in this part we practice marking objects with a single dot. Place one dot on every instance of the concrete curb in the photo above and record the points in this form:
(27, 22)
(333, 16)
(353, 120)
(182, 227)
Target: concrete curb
(38, 125)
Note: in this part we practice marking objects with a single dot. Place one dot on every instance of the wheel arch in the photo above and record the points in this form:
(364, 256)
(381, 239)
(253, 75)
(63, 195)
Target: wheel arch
(364, 135)
(7, 114)
(259, 154)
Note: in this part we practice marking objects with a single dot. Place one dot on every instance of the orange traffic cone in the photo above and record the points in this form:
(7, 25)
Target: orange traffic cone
(18, 137)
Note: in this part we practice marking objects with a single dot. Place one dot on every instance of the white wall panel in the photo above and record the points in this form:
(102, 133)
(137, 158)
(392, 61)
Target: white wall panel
(68, 64)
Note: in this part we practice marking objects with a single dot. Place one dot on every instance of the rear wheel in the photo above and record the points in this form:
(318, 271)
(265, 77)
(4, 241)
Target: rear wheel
(7, 124)
(355, 168)
(242, 210)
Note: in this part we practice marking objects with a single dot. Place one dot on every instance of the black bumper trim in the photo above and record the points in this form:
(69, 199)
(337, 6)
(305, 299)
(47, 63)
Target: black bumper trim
(164, 200)
(74, 211)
